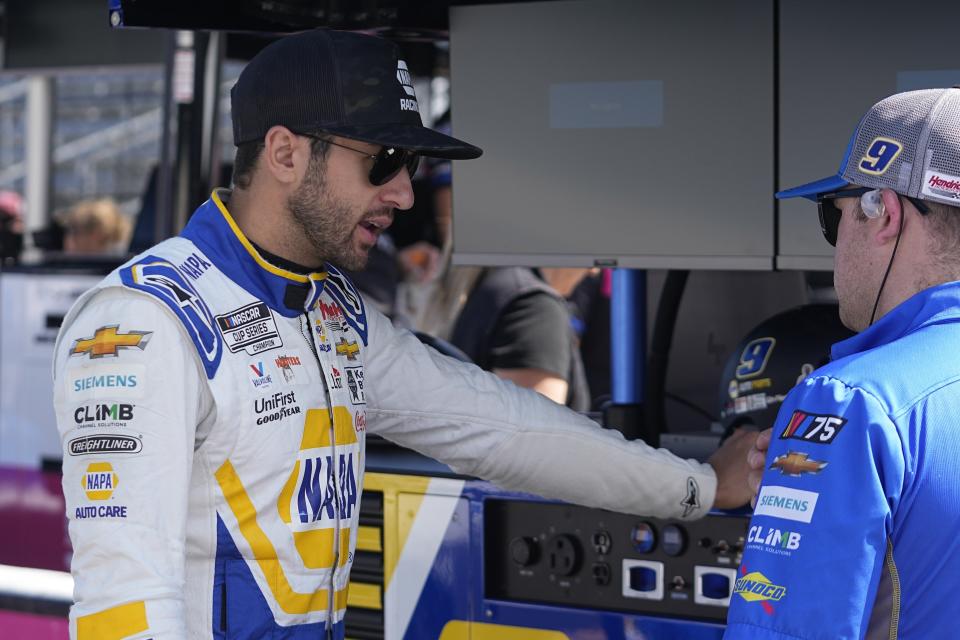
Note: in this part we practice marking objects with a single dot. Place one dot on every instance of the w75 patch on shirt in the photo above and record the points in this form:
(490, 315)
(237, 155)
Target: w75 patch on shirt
(812, 427)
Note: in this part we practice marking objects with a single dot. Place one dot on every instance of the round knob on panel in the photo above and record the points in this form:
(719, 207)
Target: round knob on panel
(523, 551)
(644, 537)
(674, 540)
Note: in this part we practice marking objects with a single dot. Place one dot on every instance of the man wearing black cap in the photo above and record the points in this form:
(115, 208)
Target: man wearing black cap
(213, 394)
(854, 532)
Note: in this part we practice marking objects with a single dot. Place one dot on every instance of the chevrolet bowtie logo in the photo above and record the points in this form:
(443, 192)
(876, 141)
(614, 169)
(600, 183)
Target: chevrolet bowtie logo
(797, 464)
(107, 341)
(349, 349)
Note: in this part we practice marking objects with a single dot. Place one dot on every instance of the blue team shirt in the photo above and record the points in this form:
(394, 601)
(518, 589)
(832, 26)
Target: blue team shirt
(861, 495)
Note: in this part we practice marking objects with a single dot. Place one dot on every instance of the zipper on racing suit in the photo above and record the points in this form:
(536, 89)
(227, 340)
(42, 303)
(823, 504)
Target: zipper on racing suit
(308, 334)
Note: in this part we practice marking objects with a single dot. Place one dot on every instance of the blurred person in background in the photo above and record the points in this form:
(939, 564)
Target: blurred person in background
(11, 227)
(95, 227)
(512, 321)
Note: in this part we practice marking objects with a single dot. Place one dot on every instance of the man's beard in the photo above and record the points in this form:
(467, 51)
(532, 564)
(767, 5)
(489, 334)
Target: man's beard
(325, 221)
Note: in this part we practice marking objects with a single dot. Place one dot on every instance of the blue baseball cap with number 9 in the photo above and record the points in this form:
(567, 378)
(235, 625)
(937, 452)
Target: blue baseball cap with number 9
(908, 142)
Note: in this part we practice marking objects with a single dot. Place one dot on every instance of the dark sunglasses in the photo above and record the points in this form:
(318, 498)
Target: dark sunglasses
(387, 163)
(830, 213)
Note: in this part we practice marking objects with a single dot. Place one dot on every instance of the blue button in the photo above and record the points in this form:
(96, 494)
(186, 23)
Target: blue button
(643, 537)
(716, 586)
(643, 579)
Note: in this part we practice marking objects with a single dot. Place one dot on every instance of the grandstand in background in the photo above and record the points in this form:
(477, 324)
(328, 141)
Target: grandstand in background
(106, 133)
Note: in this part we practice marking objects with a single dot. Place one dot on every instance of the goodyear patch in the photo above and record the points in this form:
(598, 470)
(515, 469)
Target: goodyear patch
(161, 279)
(343, 291)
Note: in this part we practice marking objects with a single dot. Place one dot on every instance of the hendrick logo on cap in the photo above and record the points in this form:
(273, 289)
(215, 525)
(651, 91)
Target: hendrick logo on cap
(937, 184)
(403, 77)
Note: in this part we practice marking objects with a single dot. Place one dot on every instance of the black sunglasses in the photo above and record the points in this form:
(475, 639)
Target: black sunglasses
(387, 163)
(830, 213)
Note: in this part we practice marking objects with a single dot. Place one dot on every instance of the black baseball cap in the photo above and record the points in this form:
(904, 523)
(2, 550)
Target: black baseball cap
(336, 82)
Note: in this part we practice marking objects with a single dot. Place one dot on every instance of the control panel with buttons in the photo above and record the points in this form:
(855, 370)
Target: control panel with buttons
(574, 556)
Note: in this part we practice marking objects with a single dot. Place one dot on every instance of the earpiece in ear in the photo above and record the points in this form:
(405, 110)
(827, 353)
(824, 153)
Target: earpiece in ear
(872, 204)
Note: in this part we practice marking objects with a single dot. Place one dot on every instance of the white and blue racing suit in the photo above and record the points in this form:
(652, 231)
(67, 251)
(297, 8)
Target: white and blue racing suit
(213, 411)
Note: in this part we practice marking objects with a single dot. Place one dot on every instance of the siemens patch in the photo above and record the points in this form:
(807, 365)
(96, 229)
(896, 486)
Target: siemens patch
(251, 329)
(106, 381)
(786, 503)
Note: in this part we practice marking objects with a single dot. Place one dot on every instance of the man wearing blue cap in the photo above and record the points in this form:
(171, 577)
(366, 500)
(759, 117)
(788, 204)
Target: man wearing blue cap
(854, 532)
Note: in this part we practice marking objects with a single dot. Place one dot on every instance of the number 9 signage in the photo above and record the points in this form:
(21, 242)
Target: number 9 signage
(754, 358)
(880, 154)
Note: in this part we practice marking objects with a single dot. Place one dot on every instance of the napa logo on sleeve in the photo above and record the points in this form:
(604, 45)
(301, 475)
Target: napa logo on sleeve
(106, 381)
(99, 481)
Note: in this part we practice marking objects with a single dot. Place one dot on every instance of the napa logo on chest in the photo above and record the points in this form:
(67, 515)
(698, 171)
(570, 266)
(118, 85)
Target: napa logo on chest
(321, 496)
(99, 481)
